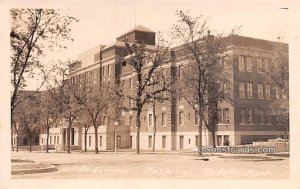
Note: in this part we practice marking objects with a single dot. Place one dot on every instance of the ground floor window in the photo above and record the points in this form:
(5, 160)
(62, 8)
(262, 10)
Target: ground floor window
(219, 140)
(130, 142)
(118, 141)
(100, 141)
(196, 140)
(163, 141)
(181, 139)
(150, 142)
(90, 140)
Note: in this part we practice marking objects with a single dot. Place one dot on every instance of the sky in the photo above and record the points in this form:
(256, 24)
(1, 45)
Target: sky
(101, 22)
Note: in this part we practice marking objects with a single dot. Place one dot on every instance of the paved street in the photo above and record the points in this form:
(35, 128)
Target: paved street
(128, 165)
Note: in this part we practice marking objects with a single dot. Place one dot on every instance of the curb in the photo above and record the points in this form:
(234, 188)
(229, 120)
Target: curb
(50, 168)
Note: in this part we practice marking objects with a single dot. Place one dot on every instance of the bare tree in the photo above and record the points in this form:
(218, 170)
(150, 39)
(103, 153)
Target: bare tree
(280, 77)
(145, 63)
(33, 31)
(96, 104)
(203, 79)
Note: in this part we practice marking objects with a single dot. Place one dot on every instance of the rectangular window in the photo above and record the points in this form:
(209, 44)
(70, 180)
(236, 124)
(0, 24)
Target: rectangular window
(242, 89)
(163, 119)
(260, 91)
(103, 71)
(90, 140)
(54, 140)
(163, 142)
(150, 120)
(268, 91)
(260, 116)
(267, 64)
(130, 83)
(57, 139)
(180, 71)
(130, 121)
(123, 121)
(249, 64)
(242, 63)
(100, 141)
(249, 89)
(181, 118)
(277, 94)
(243, 115)
(118, 141)
(150, 141)
(226, 116)
(196, 140)
(196, 118)
(250, 115)
(179, 95)
(219, 115)
(108, 70)
(260, 65)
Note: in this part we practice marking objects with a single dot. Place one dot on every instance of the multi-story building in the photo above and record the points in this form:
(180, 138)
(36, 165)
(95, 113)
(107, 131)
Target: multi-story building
(246, 120)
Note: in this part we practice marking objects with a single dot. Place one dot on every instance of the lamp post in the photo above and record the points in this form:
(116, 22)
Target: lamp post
(115, 124)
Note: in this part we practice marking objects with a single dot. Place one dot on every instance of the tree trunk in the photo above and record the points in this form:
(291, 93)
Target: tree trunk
(138, 124)
(213, 134)
(17, 143)
(85, 140)
(47, 141)
(30, 145)
(68, 140)
(96, 139)
(200, 133)
(154, 132)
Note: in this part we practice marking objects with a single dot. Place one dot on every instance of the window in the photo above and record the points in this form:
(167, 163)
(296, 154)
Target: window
(118, 141)
(90, 140)
(249, 64)
(179, 95)
(108, 70)
(268, 91)
(57, 139)
(250, 115)
(249, 89)
(42, 140)
(180, 71)
(260, 116)
(100, 141)
(163, 142)
(268, 119)
(267, 64)
(242, 89)
(123, 121)
(130, 121)
(243, 115)
(54, 140)
(196, 140)
(150, 141)
(225, 115)
(260, 65)
(260, 90)
(196, 118)
(242, 63)
(163, 119)
(277, 94)
(189, 116)
(181, 118)
(103, 71)
(219, 116)
(150, 120)
(130, 83)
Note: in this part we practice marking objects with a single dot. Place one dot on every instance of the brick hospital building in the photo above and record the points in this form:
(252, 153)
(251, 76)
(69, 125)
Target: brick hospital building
(248, 119)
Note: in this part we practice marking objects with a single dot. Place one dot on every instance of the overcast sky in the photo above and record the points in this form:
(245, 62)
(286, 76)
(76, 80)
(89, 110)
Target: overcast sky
(102, 22)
